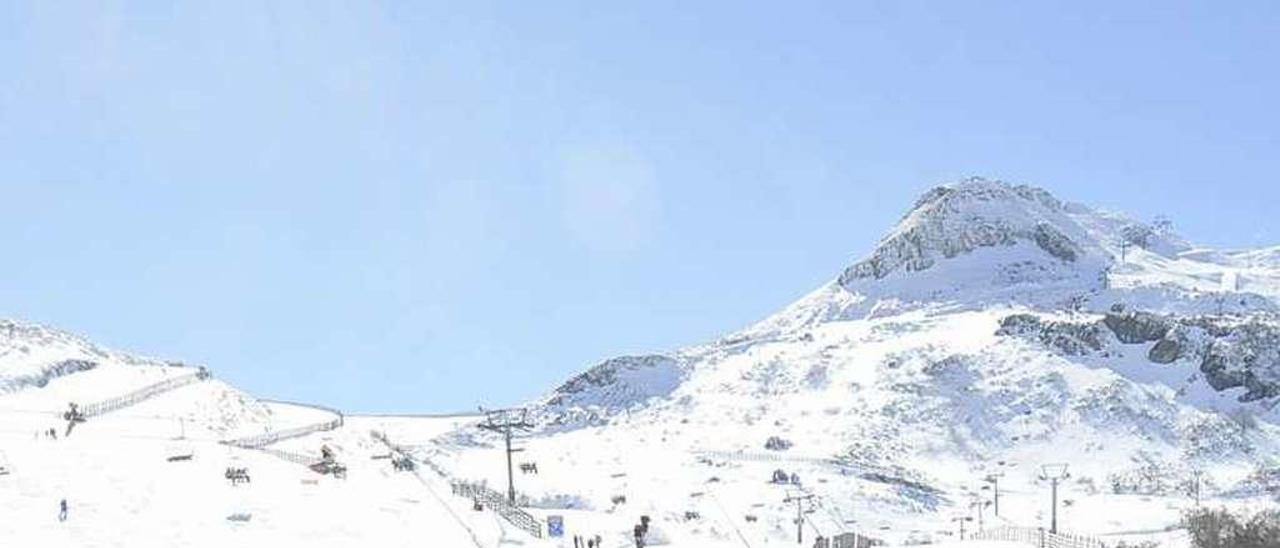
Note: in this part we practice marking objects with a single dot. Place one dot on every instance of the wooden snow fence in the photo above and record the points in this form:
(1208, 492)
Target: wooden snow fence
(267, 438)
(137, 396)
(499, 503)
(259, 441)
(1039, 537)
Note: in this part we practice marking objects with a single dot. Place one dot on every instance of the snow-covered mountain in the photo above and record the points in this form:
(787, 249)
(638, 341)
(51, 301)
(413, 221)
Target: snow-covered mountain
(995, 328)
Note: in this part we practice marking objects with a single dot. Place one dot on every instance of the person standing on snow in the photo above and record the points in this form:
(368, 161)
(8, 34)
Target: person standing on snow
(62, 510)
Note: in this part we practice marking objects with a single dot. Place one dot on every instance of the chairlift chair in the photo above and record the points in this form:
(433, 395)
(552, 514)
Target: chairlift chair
(402, 464)
(178, 451)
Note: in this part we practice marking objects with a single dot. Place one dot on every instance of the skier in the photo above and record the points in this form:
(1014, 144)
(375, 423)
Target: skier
(577, 541)
(599, 544)
(62, 510)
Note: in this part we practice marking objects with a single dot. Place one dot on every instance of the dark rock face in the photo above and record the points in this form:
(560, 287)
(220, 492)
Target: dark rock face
(1069, 338)
(53, 371)
(1248, 356)
(1020, 324)
(1055, 242)
(1217, 370)
(1165, 351)
(1133, 327)
(1231, 352)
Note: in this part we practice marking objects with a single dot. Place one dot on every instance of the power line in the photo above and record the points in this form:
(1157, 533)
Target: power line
(715, 499)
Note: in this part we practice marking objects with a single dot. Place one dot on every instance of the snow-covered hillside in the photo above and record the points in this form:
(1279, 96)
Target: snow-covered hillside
(994, 329)
(148, 466)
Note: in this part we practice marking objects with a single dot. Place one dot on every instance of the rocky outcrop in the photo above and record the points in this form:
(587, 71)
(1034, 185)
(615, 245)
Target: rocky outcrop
(1054, 242)
(1248, 357)
(776, 443)
(53, 371)
(1229, 352)
(1135, 327)
(1165, 351)
(1068, 338)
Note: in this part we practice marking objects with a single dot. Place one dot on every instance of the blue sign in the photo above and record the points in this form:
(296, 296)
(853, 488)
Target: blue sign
(555, 526)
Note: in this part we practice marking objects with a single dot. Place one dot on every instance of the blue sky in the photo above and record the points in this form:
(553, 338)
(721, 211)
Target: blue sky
(426, 207)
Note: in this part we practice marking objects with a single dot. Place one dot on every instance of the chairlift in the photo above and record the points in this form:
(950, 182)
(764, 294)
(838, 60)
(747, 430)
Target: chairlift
(403, 464)
(178, 451)
(331, 467)
(236, 475)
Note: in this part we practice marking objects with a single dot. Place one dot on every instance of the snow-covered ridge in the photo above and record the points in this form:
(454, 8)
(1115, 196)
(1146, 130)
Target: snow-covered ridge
(610, 387)
(32, 355)
(43, 370)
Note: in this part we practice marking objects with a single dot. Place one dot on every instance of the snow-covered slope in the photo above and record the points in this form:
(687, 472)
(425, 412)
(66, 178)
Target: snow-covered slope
(153, 473)
(995, 328)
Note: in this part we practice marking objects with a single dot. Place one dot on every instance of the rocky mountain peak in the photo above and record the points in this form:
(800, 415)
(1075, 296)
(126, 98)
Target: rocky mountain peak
(957, 219)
